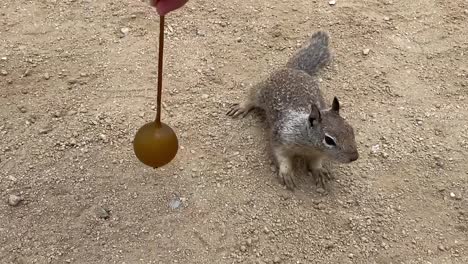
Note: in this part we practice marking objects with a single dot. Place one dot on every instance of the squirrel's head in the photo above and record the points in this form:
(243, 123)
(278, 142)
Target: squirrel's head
(336, 135)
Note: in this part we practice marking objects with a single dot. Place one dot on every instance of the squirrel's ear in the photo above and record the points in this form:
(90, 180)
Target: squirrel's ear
(315, 116)
(336, 105)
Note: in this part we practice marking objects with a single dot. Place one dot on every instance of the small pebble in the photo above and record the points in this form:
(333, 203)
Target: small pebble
(46, 76)
(201, 33)
(72, 81)
(365, 51)
(243, 249)
(22, 109)
(12, 178)
(332, 2)
(4, 73)
(320, 190)
(454, 196)
(125, 30)
(45, 130)
(14, 200)
(375, 149)
(103, 137)
(102, 213)
(320, 206)
(386, 18)
(56, 114)
(276, 260)
(175, 203)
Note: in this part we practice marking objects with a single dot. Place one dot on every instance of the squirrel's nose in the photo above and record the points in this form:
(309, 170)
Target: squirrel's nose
(354, 156)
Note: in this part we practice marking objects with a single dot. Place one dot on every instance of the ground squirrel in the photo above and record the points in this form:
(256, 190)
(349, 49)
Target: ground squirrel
(301, 122)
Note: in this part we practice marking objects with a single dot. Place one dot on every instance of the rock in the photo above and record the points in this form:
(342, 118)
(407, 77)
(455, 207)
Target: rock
(365, 51)
(332, 2)
(27, 73)
(56, 114)
(386, 18)
(375, 149)
(4, 73)
(46, 76)
(124, 31)
(102, 213)
(320, 206)
(45, 130)
(14, 200)
(22, 109)
(201, 33)
(276, 260)
(175, 203)
(243, 249)
(72, 81)
(320, 190)
(12, 178)
(103, 137)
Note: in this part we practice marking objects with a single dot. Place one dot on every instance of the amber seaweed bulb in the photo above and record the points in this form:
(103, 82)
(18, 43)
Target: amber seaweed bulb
(155, 144)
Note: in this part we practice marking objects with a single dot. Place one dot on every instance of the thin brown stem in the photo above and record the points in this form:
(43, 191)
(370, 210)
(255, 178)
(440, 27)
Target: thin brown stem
(160, 70)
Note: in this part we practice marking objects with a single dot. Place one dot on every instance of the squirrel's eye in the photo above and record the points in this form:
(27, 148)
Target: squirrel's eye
(329, 141)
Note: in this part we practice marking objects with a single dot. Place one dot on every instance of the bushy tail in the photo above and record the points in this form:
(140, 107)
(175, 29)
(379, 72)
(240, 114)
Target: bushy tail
(314, 56)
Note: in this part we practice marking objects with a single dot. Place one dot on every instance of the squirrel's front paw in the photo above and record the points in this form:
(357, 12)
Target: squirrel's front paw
(239, 110)
(321, 175)
(287, 178)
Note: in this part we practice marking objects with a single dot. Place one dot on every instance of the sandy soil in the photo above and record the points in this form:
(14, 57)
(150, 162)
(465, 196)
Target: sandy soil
(77, 80)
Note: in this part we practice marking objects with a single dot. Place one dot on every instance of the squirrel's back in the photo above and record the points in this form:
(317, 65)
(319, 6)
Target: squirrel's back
(294, 86)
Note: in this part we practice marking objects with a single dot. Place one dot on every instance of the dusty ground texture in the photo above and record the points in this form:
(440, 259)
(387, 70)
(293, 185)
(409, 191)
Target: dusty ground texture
(77, 80)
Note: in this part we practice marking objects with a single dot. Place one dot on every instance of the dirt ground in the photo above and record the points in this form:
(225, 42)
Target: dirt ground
(77, 80)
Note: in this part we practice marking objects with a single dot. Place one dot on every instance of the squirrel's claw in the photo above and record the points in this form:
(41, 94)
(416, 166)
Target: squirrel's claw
(321, 176)
(288, 180)
(238, 110)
